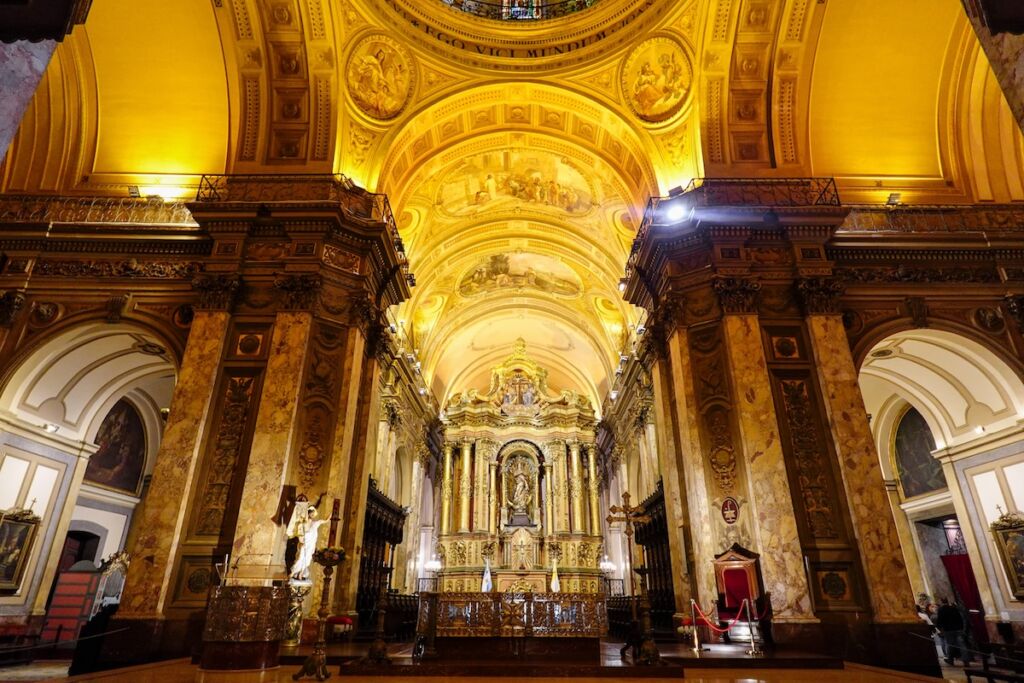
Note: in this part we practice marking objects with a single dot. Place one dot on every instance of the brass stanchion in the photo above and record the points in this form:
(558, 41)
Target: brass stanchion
(754, 650)
(328, 558)
(696, 635)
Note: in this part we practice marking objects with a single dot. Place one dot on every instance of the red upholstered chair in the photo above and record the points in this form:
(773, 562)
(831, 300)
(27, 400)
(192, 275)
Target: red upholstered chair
(738, 577)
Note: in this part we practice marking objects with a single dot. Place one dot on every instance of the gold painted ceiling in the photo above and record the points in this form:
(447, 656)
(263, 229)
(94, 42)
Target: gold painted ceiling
(518, 153)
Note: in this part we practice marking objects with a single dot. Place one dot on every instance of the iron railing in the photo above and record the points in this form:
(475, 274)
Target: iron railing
(520, 10)
(268, 188)
(747, 193)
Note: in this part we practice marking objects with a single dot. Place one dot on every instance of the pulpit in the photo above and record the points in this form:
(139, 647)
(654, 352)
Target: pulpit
(738, 577)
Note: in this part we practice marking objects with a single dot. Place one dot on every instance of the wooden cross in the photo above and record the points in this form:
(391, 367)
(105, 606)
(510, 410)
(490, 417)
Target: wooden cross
(630, 514)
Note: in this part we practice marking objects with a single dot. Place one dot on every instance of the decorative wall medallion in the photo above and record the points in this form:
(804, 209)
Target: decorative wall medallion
(380, 77)
(834, 585)
(730, 510)
(656, 79)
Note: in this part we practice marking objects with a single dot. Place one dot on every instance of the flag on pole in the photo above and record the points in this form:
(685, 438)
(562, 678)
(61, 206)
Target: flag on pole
(485, 586)
(555, 586)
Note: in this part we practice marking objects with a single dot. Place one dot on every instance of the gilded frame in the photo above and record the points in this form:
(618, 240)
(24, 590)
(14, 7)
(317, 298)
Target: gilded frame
(1010, 541)
(17, 535)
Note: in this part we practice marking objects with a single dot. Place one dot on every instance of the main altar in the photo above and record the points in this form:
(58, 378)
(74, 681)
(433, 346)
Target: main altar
(520, 487)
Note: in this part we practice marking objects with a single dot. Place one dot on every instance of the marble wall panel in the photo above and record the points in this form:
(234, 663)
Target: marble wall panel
(873, 524)
(162, 520)
(775, 526)
(258, 539)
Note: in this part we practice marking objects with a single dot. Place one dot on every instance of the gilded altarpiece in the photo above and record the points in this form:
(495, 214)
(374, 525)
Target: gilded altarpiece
(519, 486)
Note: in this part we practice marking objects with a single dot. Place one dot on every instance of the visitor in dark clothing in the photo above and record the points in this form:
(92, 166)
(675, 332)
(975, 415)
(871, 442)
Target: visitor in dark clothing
(951, 627)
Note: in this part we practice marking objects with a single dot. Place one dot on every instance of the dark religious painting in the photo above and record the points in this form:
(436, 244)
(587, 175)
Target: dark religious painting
(16, 535)
(1011, 549)
(122, 450)
(919, 471)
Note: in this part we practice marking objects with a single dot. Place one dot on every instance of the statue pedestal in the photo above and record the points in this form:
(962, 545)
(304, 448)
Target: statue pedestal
(244, 627)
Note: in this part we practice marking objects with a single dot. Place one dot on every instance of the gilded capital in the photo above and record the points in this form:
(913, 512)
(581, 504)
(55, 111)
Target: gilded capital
(10, 303)
(820, 295)
(298, 292)
(216, 292)
(737, 295)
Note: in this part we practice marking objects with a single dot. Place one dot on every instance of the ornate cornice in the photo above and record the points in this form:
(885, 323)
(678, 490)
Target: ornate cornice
(737, 295)
(216, 292)
(820, 295)
(924, 275)
(129, 268)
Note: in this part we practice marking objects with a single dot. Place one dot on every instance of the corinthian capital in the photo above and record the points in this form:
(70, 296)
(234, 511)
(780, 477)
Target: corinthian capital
(820, 294)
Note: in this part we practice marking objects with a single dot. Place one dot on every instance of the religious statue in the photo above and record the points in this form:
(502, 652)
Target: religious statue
(519, 490)
(304, 527)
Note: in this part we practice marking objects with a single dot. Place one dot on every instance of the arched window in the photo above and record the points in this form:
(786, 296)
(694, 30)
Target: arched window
(919, 471)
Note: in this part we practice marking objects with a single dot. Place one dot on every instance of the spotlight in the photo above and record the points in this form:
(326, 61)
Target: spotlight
(622, 285)
(51, 428)
(979, 430)
(675, 212)
(894, 199)
(614, 394)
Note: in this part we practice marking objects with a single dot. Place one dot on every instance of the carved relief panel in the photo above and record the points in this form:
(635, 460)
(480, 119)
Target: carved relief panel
(819, 500)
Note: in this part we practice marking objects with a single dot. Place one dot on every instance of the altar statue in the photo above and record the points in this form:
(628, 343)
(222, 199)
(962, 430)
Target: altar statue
(521, 494)
(305, 527)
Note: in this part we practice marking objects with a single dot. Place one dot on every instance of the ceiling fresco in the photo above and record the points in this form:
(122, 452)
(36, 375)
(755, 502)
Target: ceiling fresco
(518, 155)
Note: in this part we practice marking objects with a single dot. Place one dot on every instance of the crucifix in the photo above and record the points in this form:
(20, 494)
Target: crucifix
(630, 514)
(644, 649)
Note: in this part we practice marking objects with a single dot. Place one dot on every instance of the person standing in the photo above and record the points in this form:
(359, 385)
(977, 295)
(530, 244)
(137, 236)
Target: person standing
(951, 626)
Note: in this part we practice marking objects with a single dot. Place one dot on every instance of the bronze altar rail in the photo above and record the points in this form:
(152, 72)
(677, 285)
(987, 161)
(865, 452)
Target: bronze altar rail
(539, 615)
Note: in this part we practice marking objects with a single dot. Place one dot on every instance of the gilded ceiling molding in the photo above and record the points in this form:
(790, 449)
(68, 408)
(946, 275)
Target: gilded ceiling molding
(286, 92)
(541, 111)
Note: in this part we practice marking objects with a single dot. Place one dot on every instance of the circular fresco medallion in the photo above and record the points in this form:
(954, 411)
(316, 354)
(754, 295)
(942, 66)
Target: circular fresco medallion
(657, 78)
(380, 77)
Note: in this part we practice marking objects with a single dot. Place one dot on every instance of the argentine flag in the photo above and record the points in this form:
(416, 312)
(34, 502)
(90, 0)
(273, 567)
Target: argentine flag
(485, 586)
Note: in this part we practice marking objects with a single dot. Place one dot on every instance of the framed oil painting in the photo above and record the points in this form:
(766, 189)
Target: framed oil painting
(1009, 534)
(17, 532)
(121, 453)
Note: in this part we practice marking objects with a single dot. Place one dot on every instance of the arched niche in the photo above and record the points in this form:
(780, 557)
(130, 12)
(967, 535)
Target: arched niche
(520, 471)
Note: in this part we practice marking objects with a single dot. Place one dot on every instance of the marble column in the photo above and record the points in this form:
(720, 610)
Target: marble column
(465, 484)
(492, 493)
(677, 505)
(775, 529)
(481, 477)
(576, 522)
(595, 509)
(884, 568)
(258, 539)
(446, 490)
(549, 504)
(910, 554)
(22, 64)
(162, 524)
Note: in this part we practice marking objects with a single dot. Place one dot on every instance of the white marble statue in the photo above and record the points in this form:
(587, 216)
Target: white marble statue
(305, 527)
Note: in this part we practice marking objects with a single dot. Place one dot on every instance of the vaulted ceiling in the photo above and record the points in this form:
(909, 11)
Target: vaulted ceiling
(518, 154)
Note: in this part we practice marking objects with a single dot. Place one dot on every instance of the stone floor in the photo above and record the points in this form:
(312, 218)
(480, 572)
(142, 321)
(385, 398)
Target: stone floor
(183, 670)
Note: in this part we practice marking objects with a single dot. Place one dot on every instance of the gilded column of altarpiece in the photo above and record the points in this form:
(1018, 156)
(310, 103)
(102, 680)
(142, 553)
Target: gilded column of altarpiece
(519, 485)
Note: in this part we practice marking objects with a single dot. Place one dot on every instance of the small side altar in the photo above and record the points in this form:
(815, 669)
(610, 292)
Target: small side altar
(513, 625)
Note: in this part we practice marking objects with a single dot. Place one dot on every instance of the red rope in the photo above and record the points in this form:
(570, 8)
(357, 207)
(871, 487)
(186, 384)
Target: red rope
(707, 620)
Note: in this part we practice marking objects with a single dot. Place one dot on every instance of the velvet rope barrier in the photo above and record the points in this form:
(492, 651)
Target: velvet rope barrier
(707, 619)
